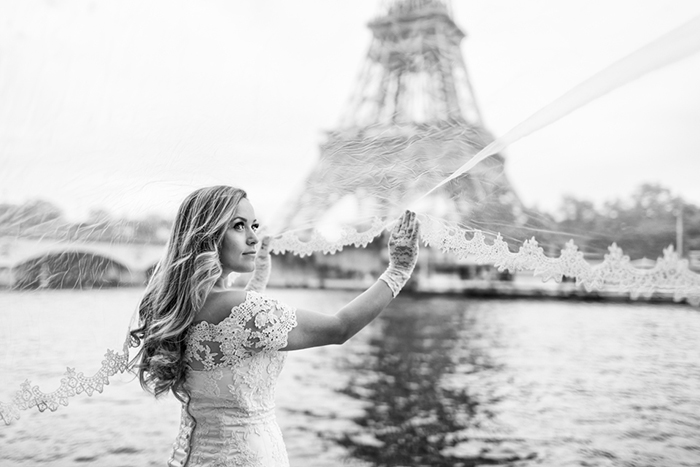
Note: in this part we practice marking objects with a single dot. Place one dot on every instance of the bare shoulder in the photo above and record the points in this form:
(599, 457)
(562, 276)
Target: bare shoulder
(219, 304)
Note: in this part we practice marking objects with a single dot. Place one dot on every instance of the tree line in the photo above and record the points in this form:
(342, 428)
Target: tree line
(642, 224)
(41, 218)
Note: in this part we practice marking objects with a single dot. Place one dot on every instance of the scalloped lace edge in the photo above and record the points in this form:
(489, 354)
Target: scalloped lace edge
(72, 384)
(670, 274)
(616, 272)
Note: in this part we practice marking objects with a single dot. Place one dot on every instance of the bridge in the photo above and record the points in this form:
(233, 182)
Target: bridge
(47, 262)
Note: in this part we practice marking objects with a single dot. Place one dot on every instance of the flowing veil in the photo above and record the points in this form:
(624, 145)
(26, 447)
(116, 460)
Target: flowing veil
(159, 102)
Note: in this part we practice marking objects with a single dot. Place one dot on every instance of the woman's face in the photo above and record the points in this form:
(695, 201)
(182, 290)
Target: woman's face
(238, 249)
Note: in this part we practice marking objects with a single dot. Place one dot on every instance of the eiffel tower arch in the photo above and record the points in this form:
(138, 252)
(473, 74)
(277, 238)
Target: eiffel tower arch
(411, 121)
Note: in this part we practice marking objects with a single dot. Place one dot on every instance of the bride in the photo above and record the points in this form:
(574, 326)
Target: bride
(220, 350)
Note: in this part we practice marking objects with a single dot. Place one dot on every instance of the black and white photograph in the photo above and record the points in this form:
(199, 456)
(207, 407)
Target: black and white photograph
(371, 233)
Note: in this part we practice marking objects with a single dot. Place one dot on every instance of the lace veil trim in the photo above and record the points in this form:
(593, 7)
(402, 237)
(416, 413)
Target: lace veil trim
(269, 332)
(72, 384)
(259, 323)
(670, 274)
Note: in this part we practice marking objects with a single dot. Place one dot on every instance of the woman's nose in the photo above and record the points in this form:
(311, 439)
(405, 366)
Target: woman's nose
(252, 238)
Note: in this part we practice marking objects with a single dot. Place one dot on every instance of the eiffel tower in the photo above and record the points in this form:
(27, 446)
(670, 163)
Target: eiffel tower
(411, 121)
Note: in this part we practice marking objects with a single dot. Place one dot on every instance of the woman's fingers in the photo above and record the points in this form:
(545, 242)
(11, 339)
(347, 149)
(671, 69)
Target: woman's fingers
(407, 222)
(410, 222)
(407, 225)
(398, 228)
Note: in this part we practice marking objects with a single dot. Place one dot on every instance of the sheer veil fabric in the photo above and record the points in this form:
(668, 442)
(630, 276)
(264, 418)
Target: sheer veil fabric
(368, 195)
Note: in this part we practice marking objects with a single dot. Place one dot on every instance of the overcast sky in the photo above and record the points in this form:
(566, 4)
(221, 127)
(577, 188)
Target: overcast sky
(130, 104)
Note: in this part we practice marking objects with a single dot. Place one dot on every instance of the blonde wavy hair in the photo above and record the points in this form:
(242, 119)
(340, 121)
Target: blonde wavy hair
(179, 286)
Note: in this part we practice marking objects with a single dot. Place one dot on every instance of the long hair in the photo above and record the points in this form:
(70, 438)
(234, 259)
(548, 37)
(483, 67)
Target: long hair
(179, 286)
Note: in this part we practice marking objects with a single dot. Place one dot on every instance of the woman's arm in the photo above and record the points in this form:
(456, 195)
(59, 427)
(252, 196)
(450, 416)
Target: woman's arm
(315, 329)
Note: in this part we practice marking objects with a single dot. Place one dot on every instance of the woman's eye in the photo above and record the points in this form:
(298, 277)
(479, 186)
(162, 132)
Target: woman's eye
(255, 227)
(238, 226)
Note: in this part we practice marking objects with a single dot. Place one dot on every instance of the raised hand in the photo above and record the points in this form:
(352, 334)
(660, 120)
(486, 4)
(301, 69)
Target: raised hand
(403, 252)
(263, 266)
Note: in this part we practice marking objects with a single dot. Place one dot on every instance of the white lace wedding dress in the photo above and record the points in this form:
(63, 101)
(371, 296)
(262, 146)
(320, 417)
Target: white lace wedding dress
(230, 419)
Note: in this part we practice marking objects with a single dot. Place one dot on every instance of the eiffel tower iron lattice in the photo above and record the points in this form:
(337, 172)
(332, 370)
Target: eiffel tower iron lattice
(411, 121)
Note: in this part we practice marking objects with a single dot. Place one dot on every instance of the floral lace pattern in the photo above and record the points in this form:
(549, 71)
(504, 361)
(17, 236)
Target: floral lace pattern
(229, 419)
(72, 384)
(290, 241)
(215, 346)
(671, 274)
(259, 323)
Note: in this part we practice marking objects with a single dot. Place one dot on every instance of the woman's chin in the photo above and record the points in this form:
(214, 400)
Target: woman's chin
(246, 268)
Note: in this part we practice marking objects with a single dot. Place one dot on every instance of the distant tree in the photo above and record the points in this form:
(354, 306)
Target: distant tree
(583, 223)
(37, 212)
(152, 229)
(98, 216)
(7, 216)
(37, 216)
(642, 225)
(6, 209)
(649, 221)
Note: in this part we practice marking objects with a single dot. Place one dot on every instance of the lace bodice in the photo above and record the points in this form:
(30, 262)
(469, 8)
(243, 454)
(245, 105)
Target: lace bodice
(258, 324)
(234, 365)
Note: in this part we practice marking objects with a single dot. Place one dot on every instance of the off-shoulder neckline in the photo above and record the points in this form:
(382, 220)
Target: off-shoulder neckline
(248, 295)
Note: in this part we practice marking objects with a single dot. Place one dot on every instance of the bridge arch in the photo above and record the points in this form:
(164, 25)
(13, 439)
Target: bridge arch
(72, 268)
(131, 260)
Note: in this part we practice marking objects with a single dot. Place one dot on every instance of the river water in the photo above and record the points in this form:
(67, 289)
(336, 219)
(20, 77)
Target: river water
(436, 381)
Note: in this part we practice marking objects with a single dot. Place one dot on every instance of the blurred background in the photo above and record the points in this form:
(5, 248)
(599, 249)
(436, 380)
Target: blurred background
(126, 106)
(111, 112)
